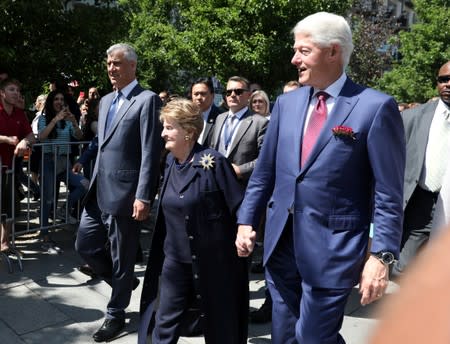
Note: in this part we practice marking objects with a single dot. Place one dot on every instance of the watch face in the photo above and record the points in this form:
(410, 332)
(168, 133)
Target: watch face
(387, 257)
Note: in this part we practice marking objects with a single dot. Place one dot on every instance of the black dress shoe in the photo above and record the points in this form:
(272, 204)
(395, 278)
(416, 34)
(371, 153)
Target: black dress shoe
(263, 314)
(87, 270)
(109, 329)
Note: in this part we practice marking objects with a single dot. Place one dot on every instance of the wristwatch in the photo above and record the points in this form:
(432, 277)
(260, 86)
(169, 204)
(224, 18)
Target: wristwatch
(385, 257)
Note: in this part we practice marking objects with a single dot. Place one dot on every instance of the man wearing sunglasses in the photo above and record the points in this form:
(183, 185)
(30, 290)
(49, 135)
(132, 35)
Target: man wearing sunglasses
(238, 134)
(427, 129)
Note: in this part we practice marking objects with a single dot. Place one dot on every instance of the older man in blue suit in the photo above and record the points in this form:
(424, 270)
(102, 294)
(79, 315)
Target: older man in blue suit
(332, 160)
(123, 184)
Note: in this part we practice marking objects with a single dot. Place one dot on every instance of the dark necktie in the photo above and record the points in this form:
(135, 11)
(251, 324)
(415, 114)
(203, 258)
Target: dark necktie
(112, 111)
(315, 124)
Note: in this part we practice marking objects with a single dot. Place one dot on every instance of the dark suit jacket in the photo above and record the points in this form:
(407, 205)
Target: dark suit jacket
(417, 122)
(343, 185)
(127, 165)
(212, 197)
(246, 144)
(210, 121)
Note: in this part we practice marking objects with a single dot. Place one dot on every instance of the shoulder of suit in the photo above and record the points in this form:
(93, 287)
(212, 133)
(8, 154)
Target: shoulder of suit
(422, 108)
(208, 152)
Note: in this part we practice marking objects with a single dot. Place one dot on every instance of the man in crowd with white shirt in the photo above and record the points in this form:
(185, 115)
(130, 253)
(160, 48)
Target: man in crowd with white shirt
(427, 130)
(202, 94)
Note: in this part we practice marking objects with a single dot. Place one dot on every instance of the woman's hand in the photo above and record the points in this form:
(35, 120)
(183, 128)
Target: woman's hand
(60, 116)
(245, 240)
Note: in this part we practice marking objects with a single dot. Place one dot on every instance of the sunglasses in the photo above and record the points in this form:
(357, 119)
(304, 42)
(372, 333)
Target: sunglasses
(237, 91)
(443, 79)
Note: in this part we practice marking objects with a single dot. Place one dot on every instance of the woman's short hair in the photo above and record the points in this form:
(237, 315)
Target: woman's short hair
(184, 112)
(326, 29)
(264, 96)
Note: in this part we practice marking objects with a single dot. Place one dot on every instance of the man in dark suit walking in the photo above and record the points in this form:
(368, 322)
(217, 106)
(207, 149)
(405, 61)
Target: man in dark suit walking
(202, 94)
(333, 159)
(427, 129)
(238, 134)
(123, 184)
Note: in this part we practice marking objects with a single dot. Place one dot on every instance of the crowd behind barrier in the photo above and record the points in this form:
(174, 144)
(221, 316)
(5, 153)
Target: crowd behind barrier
(30, 213)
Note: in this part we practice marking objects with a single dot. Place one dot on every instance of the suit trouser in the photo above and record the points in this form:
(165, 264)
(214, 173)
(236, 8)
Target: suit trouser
(417, 223)
(109, 245)
(301, 313)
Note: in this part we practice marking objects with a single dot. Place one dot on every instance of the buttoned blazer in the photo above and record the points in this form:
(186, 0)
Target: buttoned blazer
(417, 122)
(127, 164)
(345, 183)
(246, 144)
(210, 121)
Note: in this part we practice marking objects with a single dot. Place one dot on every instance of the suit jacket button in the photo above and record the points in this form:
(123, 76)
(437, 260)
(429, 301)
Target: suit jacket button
(195, 276)
(186, 217)
(191, 237)
(198, 296)
(194, 257)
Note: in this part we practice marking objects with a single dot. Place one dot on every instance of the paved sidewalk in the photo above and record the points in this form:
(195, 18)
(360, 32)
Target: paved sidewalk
(52, 302)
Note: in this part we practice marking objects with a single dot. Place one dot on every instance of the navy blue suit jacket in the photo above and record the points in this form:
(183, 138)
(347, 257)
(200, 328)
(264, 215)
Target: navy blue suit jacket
(343, 185)
(127, 165)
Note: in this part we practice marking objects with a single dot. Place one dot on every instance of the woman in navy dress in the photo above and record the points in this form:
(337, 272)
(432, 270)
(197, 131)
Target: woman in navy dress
(193, 256)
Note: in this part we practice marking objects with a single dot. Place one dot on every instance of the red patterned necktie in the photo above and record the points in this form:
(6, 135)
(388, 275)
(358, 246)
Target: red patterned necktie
(315, 124)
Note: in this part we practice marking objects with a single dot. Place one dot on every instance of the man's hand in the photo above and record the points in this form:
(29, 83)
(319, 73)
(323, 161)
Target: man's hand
(374, 280)
(77, 167)
(141, 210)
(245, 240)
(21, 148)
(237, 170)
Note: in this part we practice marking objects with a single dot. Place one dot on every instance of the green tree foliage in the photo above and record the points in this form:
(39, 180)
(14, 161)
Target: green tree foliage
(40, 40)
(423, 50)
(182, 40)
(372, 27)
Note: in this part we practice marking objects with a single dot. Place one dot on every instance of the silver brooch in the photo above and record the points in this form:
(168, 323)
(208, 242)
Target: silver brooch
(207, 161)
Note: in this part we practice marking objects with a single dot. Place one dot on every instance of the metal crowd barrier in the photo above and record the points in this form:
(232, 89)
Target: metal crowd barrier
(29, 225)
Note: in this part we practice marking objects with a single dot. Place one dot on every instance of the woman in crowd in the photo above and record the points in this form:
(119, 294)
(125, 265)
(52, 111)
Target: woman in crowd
(57, 126)
(89, 124)
(36, 156)
(193, 257)
(259, 103)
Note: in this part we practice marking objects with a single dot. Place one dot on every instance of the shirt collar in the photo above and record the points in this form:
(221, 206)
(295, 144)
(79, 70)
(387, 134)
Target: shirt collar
(443, 109)
(205, 114)
(238, 114)
(335, 88)
(128, 88)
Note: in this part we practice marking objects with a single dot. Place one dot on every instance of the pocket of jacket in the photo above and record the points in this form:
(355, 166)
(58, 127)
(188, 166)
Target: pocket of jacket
(343, 222)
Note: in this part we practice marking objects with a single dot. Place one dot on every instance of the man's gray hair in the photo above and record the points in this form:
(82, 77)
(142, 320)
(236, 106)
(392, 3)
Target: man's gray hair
(326, 29)
(128, 51)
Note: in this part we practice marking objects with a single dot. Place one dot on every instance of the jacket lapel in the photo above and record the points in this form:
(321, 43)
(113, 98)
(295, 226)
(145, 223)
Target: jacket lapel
(242, 129)
(218, 130)
(345, 103)
(424, 130)
(103, 114)
(127, 103)
(208, 125)
(296, 123)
